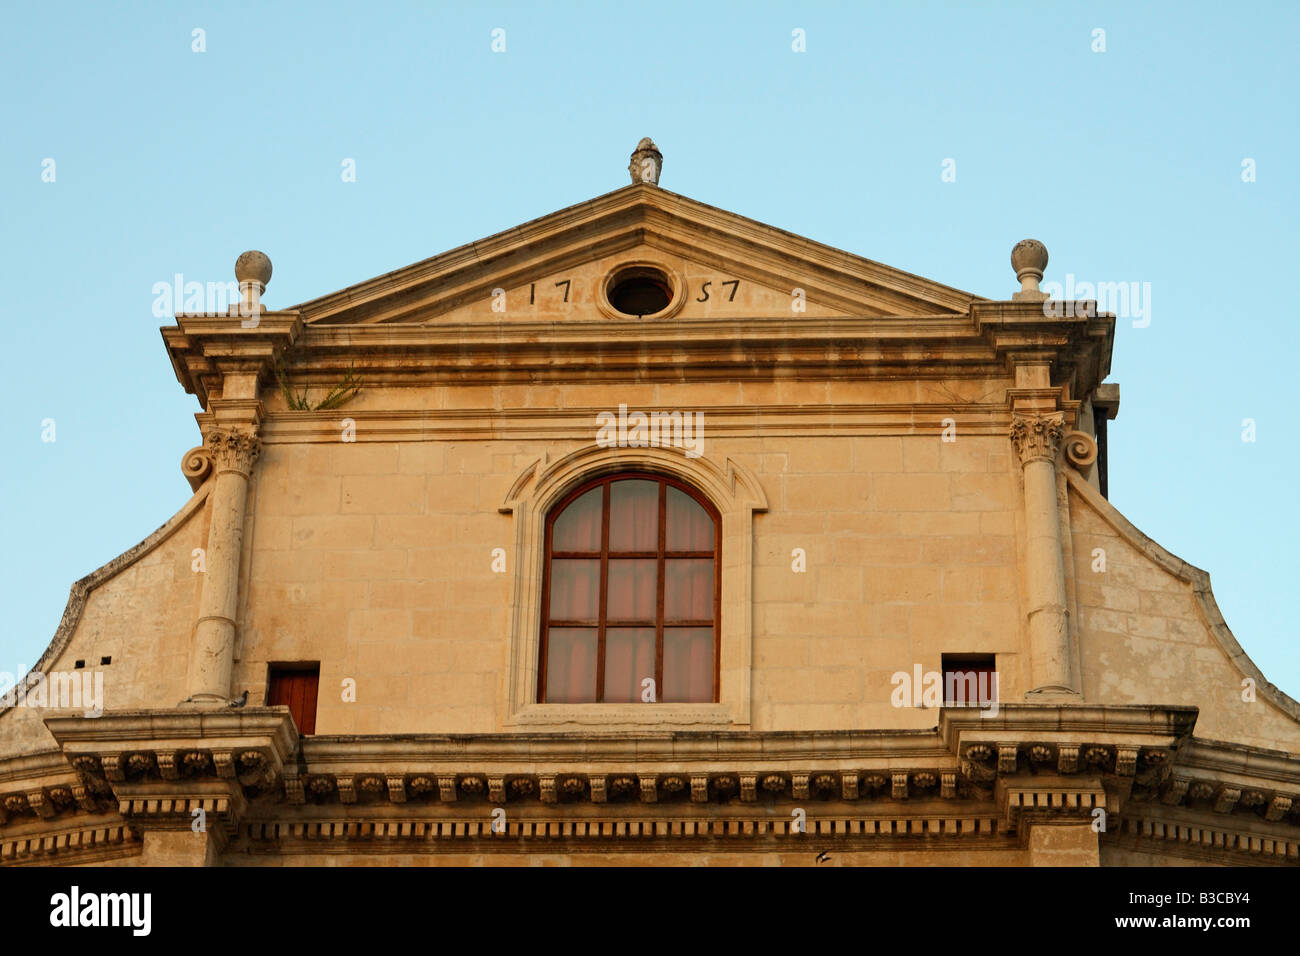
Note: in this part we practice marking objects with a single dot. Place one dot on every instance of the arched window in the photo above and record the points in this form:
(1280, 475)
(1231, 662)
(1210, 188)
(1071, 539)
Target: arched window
(631, 591)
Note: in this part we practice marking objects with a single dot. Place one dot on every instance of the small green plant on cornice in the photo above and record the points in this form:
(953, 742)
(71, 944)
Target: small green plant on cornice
(344, 391)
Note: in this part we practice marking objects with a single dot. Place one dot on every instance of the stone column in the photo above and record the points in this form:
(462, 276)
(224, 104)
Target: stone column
(1038, 440)
(233, 451)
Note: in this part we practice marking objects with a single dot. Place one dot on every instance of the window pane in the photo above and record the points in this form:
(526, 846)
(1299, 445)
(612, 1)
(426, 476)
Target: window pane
(629, 659)
(688, 589)
(688, 665)
(632, 583)
(690, 528)
(575, 589)
(634, 516)
(571, 665)
(578, 526)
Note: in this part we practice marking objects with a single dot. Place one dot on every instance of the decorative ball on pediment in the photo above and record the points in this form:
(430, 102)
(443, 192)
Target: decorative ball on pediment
(1029, 255)
(253, 266)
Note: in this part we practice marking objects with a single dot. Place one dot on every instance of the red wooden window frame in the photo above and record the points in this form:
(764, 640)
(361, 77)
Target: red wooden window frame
(295, 686)
(661, 554)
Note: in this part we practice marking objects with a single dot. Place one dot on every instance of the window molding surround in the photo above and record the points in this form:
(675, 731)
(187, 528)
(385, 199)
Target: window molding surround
(734, 492)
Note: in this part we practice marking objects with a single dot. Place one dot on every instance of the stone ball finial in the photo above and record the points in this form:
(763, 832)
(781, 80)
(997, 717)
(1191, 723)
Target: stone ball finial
(1029, 259)
(646, 162)
(253, 266)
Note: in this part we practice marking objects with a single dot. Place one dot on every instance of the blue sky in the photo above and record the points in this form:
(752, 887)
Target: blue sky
(1127, 164)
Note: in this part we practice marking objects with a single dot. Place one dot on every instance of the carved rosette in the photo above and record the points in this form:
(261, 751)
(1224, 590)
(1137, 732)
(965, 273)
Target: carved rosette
(232, 450)
(1037, 438)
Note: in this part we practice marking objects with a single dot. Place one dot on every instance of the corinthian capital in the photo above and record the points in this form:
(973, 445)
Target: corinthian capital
(233, 449)
(1038, 437)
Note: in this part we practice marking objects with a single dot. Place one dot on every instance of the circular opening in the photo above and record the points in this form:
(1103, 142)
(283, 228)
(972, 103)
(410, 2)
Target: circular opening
(640, 292)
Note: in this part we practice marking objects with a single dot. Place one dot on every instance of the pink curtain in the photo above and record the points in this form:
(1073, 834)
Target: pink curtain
(629, 659)
(571, 665)
(688, 664)
(688, 589)
(634, 515)
(578, 527)
(632, 597)
(633, 584)
(690, 528)
(575, 589)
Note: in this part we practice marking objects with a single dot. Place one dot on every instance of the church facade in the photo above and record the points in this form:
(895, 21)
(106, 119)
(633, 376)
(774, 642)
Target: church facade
(644, 533)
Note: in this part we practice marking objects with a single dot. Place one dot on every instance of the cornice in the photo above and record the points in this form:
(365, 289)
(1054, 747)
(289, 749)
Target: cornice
(549, 424)
(203, 348)
(267, 728)
(1190, 836)
(1029, 764)
(931, 347)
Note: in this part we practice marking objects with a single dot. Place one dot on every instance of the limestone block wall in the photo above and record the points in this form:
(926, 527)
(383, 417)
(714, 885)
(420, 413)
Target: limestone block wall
(374, 557)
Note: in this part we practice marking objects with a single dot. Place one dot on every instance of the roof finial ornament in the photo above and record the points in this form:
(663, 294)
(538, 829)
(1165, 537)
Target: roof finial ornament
(253, 272)
(646, 162)
(1029, 259)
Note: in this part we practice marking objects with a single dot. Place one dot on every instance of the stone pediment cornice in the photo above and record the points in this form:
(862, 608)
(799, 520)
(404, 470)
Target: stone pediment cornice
(631, 216)
(974, 345)
(203, 348)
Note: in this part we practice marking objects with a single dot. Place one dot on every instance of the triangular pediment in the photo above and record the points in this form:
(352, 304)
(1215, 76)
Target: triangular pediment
(720, 265)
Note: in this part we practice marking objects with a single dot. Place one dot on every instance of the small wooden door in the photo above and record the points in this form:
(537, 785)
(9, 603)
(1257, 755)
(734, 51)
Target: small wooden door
(296, 688)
